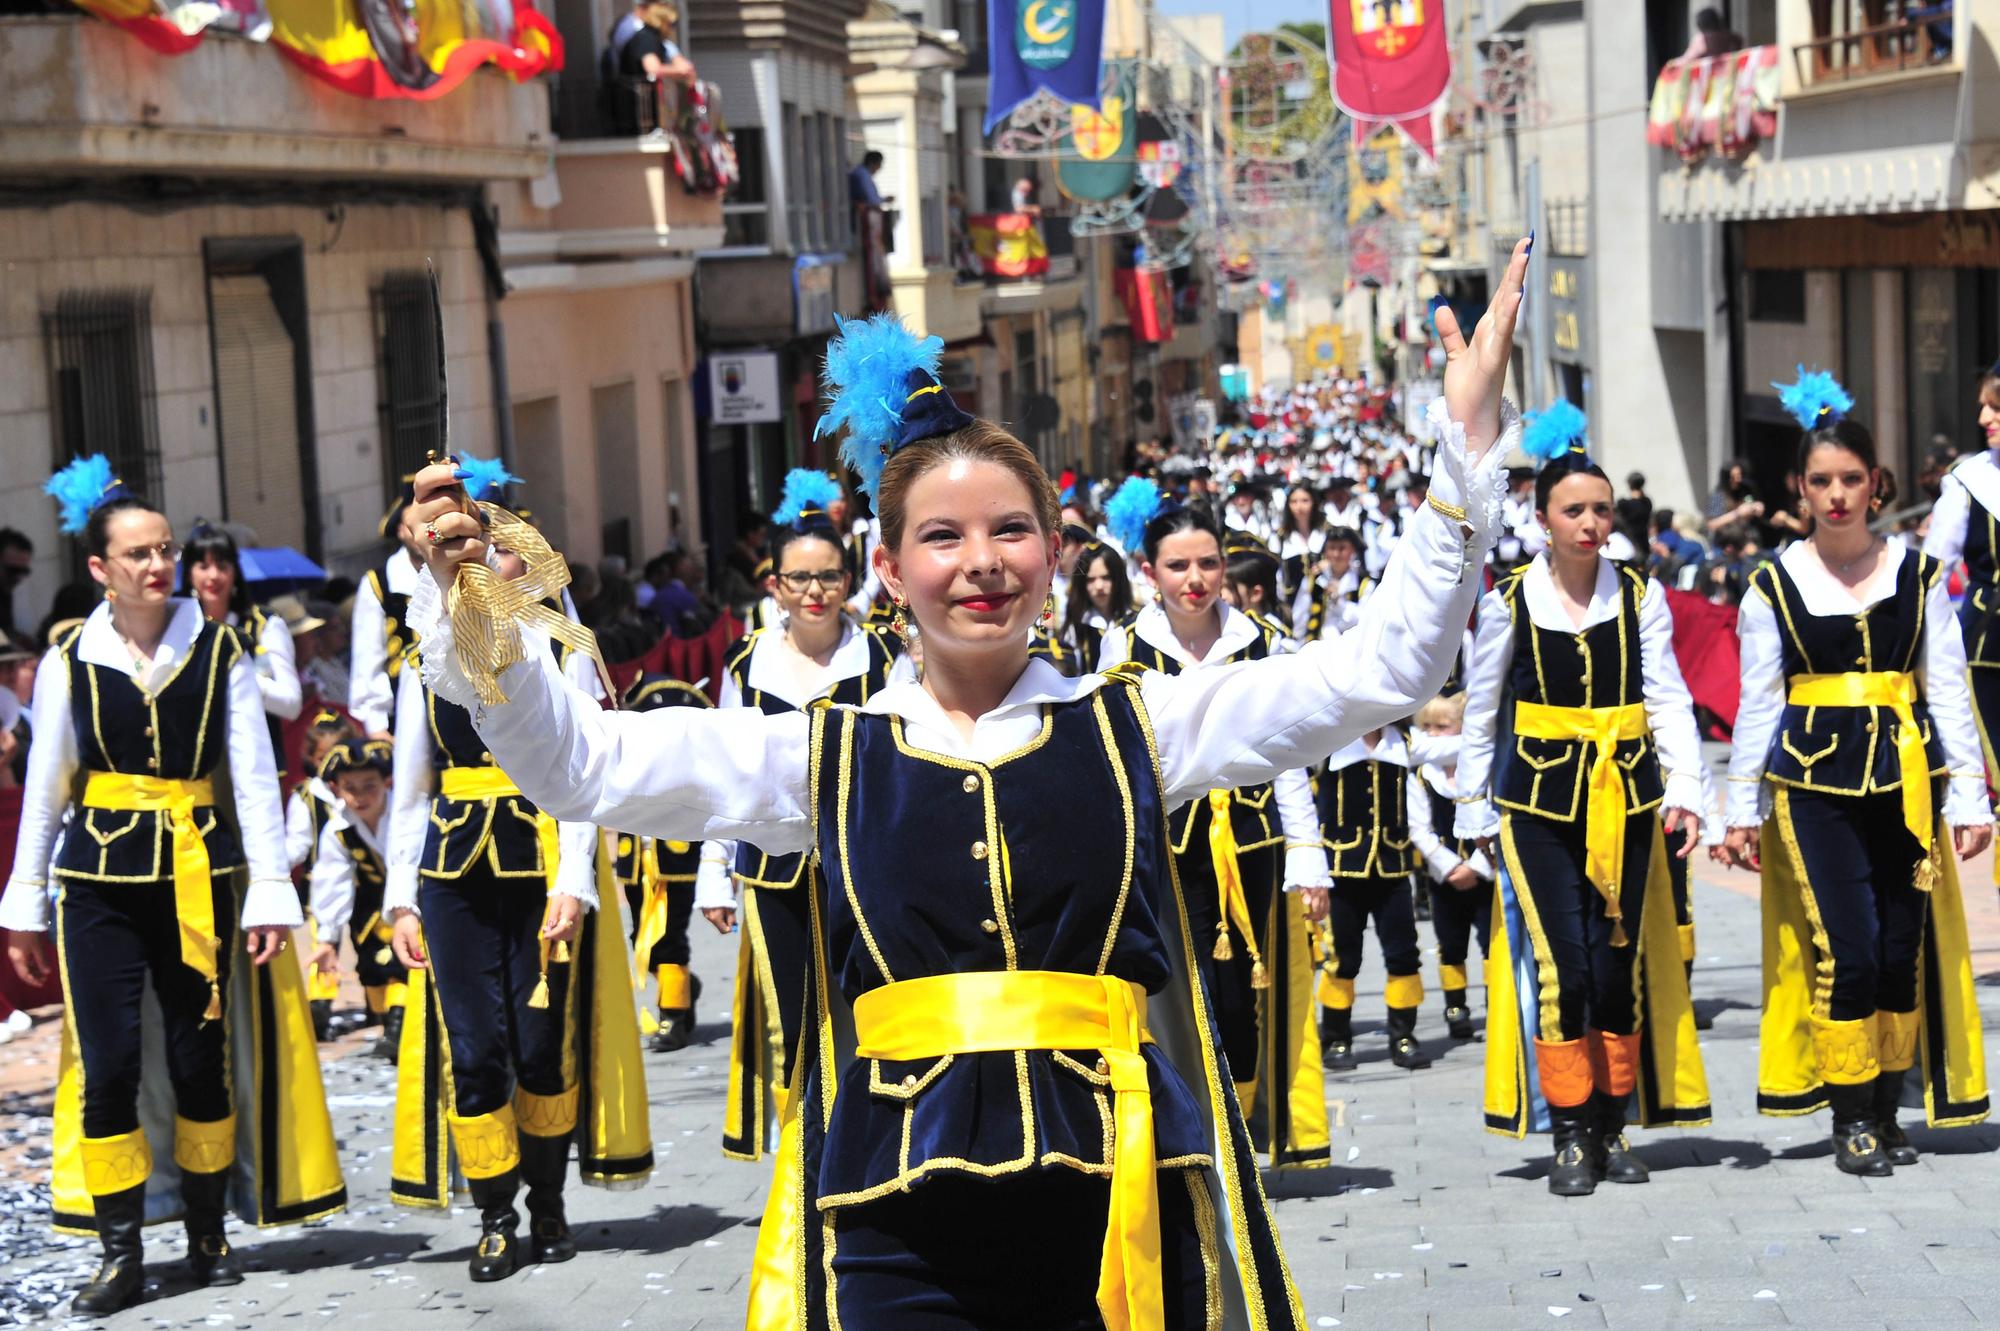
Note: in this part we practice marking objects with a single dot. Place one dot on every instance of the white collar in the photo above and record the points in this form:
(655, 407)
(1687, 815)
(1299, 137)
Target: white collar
(850, 659)
(400, 575)
(317, 787)
(1824, 595)
(99, 643)
(998, 732)
(1391, 748)
(1980, 475)
(1538, 590)
(375, 840)
(1311, 543)
(1154, 628)
(1435, 777)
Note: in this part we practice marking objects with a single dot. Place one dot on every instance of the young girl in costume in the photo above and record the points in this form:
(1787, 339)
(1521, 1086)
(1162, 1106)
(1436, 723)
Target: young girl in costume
(1460, 872)
(1002, 963)
(348, 876)
(1855, 749)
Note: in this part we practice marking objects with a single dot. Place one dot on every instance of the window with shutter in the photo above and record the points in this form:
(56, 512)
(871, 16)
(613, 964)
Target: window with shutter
(409, 378)
(100, 356)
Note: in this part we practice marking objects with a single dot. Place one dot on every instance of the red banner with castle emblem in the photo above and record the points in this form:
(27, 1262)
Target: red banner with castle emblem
(1391, 64)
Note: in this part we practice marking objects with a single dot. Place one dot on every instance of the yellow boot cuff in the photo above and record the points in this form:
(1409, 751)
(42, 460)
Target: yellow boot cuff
(546, 1115)
(488, 1145)
(204, 1148)
(396, 995)
(1896, 1040)
(1335, 992)
(1404, 991)
(376, 996)
(321, 987)
(1844, 1051)
(115, 1164)
(676, 988)
(1452, 977)
(1686, 932)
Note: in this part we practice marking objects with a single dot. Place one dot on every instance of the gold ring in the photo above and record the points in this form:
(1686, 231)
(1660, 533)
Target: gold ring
(432, 534)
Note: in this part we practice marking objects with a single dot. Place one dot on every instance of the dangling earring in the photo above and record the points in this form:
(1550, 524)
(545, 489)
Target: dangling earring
(897, 624)
(1049, 610)
(1875, 504)
(110, 593)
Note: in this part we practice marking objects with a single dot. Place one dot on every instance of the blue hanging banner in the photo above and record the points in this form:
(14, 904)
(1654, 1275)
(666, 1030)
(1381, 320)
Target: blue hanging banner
(1035, 44)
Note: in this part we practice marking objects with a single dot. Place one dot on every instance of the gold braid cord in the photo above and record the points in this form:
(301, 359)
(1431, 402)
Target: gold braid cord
(487, 611)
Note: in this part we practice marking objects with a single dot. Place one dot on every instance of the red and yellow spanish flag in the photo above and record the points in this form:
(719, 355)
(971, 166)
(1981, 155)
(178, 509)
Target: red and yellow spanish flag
(1008, 244)
(368, 48)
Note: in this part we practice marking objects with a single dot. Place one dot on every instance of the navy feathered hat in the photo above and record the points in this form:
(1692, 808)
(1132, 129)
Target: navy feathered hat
(649, 693)
(885, 392)
(83, 487)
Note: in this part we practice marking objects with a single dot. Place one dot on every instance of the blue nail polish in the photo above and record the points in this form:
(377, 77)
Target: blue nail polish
(1531, 241)
(461, 474)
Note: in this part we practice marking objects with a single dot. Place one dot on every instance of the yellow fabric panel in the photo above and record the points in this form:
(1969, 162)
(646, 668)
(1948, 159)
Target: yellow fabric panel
(1293, 1060)
(776, 1275)
(308, 1177)
(1506, 1050)
(417, 1178)
(616, 1122)
(326, 30)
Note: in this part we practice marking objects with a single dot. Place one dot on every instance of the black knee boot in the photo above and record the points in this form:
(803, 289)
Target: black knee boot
(121, 1278)
(1457, 1015)
(1573, 1170)
(1336, 1038)
(322, 1019)
(1896, 1144)
(1615, 1160)
(391, 1042)
(206, 1197)
(1857, 1141)
(499, 1252)
(544, 1166)
(1404, 1050)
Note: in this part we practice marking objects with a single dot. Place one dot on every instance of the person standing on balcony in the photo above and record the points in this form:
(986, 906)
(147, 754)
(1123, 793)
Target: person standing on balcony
(1712, 36)
(640, 55)
(861, 191)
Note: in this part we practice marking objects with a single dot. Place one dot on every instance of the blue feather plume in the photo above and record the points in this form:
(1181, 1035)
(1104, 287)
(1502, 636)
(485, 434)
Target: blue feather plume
(79, 488)
(1554, 432)
(805, 488)
(485, 477)
(1136, 503)
(868, 368)
(1814, 399)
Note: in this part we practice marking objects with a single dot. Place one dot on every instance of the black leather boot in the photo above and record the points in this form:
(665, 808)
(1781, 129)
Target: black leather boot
(499, 1252)
(322, 1019)
(676, 1028)
(1896, 1144)
(1857, 1141)
(210, 1258)
(391, 1042)
(1457, 1015)
(1404, 1050)
(1573, 1170)
(121, 1278)
(544, 1166)
(1336, 1038)
(1615, 1160)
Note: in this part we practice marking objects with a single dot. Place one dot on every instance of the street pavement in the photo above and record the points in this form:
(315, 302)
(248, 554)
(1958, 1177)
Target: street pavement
(1425, 1220)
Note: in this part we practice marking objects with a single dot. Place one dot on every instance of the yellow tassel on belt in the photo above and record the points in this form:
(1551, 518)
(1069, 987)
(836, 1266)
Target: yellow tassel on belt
(1234, 906)
(194, 899)
(1604, 828)
(490, 783)
(1001, 1011)
(1897, 691)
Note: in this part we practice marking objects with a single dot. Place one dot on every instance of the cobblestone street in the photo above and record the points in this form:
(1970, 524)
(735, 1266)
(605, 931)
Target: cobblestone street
(1425, 1221)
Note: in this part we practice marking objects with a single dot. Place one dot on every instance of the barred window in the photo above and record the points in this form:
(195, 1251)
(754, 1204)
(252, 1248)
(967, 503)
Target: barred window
(100, 355)
(410, 381)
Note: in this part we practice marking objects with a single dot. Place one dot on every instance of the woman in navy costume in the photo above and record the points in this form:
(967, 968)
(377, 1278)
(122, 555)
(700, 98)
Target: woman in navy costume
(1002, 964)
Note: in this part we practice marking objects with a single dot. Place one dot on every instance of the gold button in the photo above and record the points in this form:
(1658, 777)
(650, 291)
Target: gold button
(624, 845)
(990, 926)
(1103, 1068)
(485, 757)
(979, 850)
(910, 1082)
(152, 762)
(148, 732)
(971, 783)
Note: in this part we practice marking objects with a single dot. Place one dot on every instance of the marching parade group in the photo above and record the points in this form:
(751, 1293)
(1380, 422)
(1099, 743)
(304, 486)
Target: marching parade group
(1053, 819)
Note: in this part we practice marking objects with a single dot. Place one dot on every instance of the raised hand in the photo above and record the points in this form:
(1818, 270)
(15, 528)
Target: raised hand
(1475, 370)
(447, 526)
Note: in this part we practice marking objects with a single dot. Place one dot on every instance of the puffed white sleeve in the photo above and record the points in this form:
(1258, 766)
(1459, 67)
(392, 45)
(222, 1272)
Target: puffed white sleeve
(1245, 723)
(576, 862)
(1427, 749)
(1438, 858)
(370, 696)
(278, 670)
(1757, 715)
(1944, 539)
(1669, 708)
(411, 776)
(52, 762)
(714, 886)
(271, 900)
(332, 887)
(298, 828)
(1298, 817)
(1966, 802)
(679, 773)
(1486, 680)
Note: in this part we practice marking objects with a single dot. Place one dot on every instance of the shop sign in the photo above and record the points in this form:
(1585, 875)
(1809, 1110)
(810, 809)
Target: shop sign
(743, 388)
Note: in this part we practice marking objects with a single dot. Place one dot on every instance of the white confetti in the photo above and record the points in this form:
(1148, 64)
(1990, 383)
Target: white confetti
(1557, 1310)
(1682, 1238)
(1765, 1294)
(1652, 1287)
(1422, 1247)
(1327, 1321)
(1859, 1229)
(1354, 1153)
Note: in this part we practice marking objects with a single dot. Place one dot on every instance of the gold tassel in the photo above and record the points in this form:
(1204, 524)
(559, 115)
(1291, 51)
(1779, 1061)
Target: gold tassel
(540, 998)
(214, 1012)
(1927, 870)
(561, 957)
(1223, 951)
(1259, 977)
(1618, 938)
(487, 612)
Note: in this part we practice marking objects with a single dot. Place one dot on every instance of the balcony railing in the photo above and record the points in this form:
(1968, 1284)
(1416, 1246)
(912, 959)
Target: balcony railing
(1897, 36)
(1569, 227)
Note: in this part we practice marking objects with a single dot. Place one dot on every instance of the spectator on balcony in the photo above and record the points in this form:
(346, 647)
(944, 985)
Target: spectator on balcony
(1711, 36)
(1024, 199)
(638, 58)
(861, 190)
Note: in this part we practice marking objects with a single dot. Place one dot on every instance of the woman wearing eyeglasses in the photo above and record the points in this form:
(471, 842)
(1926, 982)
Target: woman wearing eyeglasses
(815, 649)
(160, 886)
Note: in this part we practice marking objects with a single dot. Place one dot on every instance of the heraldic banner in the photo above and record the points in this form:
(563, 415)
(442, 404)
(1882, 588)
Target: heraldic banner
(1391, 64)
(1037, 44)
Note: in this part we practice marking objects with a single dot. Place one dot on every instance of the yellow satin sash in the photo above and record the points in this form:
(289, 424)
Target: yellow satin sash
(1233, 905)
(1007, 1010)
(1604, 826)
(652, 912)
(1897, 691)
(490, 783)
(194, 900)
